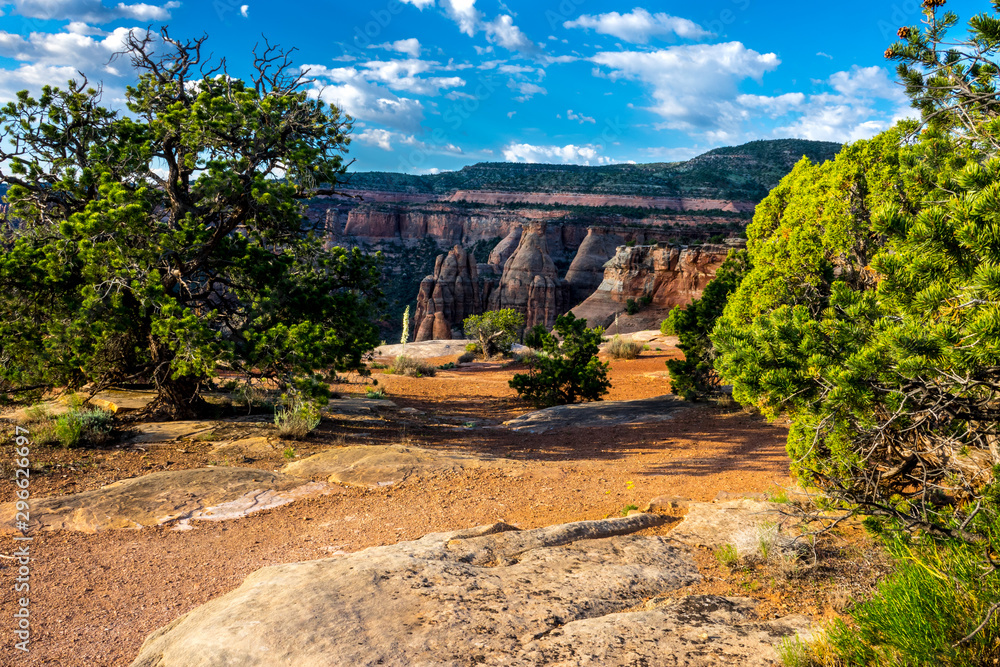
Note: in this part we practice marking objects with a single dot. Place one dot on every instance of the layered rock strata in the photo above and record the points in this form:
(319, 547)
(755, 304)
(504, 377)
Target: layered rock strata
(669, 275)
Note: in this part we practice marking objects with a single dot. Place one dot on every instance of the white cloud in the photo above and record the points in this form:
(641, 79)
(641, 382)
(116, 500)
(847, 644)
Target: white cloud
(420, 4)
(80, 51)
(569, 154)
(511, 114)
(92, 11)
(410, 47)
(824, 55)
(694, 87)
(404, 75)
(502, 31)
(527, 90)
(856, 111)
(387, 141)
(579, 117)
(352, 93)
(245, 11)
(773, 106)
(465, 14)
(639, 26)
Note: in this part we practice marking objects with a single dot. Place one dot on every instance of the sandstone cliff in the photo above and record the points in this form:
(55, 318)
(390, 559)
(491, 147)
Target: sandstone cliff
(587, 270)
(669, 275)
(530, 283)
(448, 296)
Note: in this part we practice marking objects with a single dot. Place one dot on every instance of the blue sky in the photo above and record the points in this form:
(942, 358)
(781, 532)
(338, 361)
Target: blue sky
(438, 84)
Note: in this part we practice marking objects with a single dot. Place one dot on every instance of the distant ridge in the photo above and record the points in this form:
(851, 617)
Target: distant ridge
(745, 173)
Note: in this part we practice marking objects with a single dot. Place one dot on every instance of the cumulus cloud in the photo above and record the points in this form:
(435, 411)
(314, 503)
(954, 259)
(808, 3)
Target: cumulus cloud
(773, 106)
(420, 4)
(465, 14)
(502, 31)
(569, 154)
(245, 11)
(866, 102)
(694, 87)
(639, 26)
(92, 11)
(410, 47)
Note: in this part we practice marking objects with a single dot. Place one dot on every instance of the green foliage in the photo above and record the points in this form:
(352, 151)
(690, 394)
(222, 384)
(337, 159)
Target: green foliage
(631, 306)
(727, 555)
(619, 348)
(937, 596)
(289, 453)
(378, 394)
(467, 357)
(628, 508)
(297, 418)
(694, 376)
(496, 330)
(481, 249)
(114, 272)
(75, 428)
(535, 336)
(411, 367)
(565, 373)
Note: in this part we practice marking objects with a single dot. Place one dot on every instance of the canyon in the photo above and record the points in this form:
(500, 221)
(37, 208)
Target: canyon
(452, 258)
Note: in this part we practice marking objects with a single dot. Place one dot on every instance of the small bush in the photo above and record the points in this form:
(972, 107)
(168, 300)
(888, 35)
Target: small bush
(410, 367)
(619, 348)
(467, 358)
(727, 555)
(473, 348)
(629, 508)
(82, 426)
(36, 414)
(631, 306)
(565, 373)
(448, 366)
(297, 419)
(289, 453)
(378, 365)
(377, 394)
(534, 337)
(496, 330)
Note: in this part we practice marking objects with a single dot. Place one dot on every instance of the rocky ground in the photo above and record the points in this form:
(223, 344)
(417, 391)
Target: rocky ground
(436, 457)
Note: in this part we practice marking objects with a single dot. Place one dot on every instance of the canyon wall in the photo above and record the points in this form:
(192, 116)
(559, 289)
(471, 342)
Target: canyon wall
(574, 199)
(448, 296)
(669, 275)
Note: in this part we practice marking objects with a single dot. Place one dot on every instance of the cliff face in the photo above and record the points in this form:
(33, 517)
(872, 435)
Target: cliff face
(573, 199)
(587, 270)
(448, 296)
(670, 275)
(530, 283)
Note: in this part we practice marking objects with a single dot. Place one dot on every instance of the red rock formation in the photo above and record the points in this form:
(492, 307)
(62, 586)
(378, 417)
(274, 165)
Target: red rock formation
(530, 283)
(587, 270)
(448, 297)
(573, 199)
(670, 275)
(503, 250)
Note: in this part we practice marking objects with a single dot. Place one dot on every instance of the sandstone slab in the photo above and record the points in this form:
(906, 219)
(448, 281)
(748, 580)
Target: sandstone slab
(162, 497)
(252, 448)
(573, 594)
(599, 413)
(718, 523)
(170, 431)
(384, 465)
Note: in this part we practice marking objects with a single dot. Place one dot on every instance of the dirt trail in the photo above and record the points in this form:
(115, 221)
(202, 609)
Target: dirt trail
(94, 598)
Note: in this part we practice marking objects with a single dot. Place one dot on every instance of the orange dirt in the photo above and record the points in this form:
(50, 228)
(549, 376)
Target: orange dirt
(94, 598)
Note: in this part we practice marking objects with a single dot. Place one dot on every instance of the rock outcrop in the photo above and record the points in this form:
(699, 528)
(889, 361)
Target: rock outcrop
(586, 593)
(669, 275)
(587, 270)
(448, 296)
(503, 250)
(530, 283)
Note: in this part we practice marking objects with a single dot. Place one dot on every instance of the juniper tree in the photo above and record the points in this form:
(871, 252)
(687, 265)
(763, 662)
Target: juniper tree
(156, 245)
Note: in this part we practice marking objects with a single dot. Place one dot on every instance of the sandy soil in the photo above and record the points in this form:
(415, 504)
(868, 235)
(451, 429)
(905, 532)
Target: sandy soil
(94, 598)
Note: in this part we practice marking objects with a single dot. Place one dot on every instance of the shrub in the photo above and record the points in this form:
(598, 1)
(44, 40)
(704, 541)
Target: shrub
(534, 336)
(619, 348)
(82, 426)
(297, 419)
(496, 330)
(375, 393)
(448, 366)
(467, 358)
(411, 367)
(694, 376)
(565, 373)
(631, 306)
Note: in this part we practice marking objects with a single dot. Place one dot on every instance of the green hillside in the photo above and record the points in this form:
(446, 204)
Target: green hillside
(746, 172)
